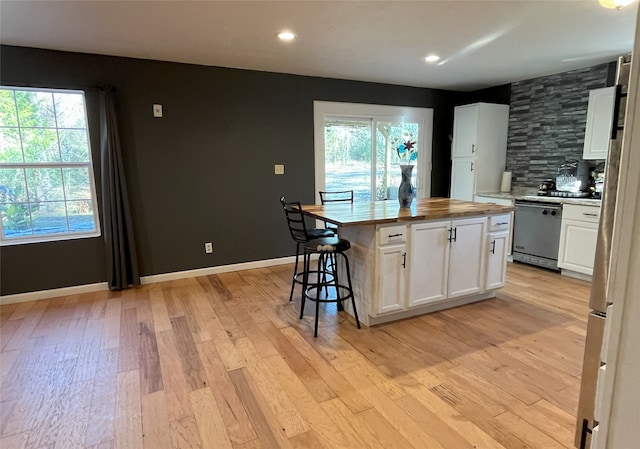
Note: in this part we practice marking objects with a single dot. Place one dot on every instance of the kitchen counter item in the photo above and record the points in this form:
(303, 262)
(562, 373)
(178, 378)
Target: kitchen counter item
(505, 186)
(546, 187)
(573, 176)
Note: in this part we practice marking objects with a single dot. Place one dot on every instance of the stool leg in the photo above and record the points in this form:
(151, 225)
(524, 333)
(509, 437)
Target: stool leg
(336, 281)
(353, 299)
(321, 261)
(295, 272)
(334, 261)
(305, 281)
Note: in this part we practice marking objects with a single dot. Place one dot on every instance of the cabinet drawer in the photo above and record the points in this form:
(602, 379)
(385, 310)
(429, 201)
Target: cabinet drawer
(589, 214)
(499, 222)
(392, 234)
(491, 200)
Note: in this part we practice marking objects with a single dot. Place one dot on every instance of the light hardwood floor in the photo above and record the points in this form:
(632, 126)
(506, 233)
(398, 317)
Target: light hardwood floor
(224, 362)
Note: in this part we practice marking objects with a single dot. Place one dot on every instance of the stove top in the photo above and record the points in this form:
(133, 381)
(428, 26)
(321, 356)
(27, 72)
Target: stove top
(567, 194)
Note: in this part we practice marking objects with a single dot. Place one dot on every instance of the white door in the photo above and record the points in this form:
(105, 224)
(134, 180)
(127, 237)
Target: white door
(577, 246)
(599, 122)
(465, 131)
(463, 178)
(466, 259)
(428, 262)
(496, 250)
(391, 278)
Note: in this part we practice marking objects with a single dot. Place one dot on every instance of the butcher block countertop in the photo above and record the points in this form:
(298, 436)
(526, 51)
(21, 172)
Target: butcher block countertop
(379, 212)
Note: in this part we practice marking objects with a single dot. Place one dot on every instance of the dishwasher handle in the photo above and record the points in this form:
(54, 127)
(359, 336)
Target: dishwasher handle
(547, 206)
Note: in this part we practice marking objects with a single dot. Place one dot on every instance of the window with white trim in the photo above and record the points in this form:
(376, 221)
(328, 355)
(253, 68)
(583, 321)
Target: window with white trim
(47, 188)
(355, 148)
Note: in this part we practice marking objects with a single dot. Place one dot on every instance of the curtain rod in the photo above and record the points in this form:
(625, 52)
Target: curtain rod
(99, 88)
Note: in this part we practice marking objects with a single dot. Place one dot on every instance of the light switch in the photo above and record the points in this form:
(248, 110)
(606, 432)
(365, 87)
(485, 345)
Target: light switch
(157, 110)
(279, 169)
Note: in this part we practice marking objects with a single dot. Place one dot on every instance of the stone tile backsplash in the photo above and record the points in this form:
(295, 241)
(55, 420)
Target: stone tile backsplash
(547, 121)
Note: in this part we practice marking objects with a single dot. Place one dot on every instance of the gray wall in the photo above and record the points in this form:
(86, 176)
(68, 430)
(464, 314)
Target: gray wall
(547, 121)
(203, 172)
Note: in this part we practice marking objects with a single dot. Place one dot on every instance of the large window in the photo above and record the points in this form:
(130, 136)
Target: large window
(47, 188)
(355, 148)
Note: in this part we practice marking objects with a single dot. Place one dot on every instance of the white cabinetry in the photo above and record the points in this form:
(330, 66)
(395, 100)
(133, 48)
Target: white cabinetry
(501, 202)
(403, 270)
(446, 260)
(462, 178)
(498, 242)
(391, 263)
(599, 121)
(466, 262)
(479, 149)
(428, 262)
(578, 236)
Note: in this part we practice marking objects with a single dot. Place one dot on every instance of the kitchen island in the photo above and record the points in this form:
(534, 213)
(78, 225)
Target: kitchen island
(439, 253)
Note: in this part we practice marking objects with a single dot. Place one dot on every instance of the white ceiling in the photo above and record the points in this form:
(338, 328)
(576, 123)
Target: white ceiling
(482, 43)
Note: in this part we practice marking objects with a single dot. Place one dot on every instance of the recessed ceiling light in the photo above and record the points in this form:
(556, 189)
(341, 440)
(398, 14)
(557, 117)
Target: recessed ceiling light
(286, 36)
(432, 58)
(617, 4)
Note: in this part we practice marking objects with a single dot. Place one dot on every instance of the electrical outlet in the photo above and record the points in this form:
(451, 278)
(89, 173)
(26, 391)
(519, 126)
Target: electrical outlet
(279, 169)
(208, 247)
(157, 110)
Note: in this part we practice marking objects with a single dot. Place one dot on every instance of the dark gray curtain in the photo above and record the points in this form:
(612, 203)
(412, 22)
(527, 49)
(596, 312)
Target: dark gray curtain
(122, 260)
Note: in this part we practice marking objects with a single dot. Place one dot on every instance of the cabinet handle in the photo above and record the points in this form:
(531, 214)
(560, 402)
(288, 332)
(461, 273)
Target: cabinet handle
(472, 166)
(395, 235)
(493, 247)
(473, 148)
(616, 113)
(504, 223)
(450, 234)
(589, 215)
(455, 234)
(404, 260)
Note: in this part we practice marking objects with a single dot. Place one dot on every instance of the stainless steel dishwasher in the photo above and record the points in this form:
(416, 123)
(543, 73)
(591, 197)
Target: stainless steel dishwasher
(536, 233)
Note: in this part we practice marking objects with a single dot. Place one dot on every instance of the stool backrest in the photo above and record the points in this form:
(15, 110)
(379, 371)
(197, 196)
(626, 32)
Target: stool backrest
(295, 220)
(343, 196)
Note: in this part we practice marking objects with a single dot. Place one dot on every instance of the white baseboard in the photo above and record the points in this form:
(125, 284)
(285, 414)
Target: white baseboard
(53, 293)
(100, 286)
(216, 270)
(576, 275)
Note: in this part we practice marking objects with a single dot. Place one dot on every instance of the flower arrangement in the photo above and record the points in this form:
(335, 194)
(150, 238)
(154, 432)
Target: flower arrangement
(406, 149)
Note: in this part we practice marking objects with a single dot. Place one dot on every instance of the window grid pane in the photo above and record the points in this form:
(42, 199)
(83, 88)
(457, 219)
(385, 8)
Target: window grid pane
(46, 187)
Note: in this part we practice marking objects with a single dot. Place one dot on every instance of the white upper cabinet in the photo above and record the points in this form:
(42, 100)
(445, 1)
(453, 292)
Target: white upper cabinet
(479, 138)
(465, 131)
(599, 121)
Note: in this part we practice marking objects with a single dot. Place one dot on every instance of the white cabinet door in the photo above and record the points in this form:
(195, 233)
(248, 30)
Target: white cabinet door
(463, 178)
(391, 278)
(428, 262)
(465, 131)
(577, 246)
(496, 250)
(599, 122)
(466, 259)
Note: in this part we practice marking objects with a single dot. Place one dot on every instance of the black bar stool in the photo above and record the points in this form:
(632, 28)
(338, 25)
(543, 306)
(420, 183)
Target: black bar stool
(327, 276)
(318, 284)
(300, 235)
(342, 196)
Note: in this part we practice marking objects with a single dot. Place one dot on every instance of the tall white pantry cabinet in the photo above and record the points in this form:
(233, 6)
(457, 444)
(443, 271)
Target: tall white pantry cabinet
(479, 149)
